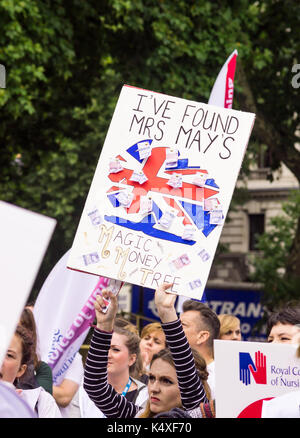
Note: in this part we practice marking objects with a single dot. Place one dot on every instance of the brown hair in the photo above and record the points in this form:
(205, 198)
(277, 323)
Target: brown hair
(133, 345)
(207, 319)
(200, 364)
(28, 322)
(27, 347)
(227, 323)
(27, 344)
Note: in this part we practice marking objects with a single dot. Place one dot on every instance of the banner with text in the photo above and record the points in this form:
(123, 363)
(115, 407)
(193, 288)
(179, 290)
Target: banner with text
(24, 237)
(161, 191)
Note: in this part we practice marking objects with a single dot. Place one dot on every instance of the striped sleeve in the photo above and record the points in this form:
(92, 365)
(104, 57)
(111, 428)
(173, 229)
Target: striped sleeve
(111, 403)
(190, 385)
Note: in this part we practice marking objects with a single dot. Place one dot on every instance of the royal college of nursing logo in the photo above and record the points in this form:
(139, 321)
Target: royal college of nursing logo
(248, 368)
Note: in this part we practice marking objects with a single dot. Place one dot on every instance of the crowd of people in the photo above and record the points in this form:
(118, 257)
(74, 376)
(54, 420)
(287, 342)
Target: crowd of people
(166, 370)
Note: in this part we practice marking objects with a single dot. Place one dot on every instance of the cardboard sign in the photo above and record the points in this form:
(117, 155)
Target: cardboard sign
(249, 375)
(24, 238)
(188, 155)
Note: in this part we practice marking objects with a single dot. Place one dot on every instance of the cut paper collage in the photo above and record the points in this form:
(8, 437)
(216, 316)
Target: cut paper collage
(161, 191)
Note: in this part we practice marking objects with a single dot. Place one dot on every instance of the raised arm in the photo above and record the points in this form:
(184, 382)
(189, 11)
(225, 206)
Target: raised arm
(112, 404)
(190, 385)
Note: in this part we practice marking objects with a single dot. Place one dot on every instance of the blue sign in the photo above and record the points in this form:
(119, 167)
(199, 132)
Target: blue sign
(244, 304)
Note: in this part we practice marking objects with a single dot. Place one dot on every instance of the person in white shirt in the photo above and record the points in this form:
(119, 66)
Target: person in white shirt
(286, 405)
(230, 329)
(124, 367)
(283, 327)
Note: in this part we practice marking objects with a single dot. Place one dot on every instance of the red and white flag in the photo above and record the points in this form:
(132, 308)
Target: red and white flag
(222, 91)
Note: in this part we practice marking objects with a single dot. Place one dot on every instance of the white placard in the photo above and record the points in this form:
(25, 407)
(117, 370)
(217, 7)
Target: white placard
(137, 247)
(248, 374)
(24, 237)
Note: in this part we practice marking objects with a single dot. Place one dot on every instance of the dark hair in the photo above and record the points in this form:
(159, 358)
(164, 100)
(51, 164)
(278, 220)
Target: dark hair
(133, 344)
(27, 320)
(27, 344)
(286, 315)
(208, 319)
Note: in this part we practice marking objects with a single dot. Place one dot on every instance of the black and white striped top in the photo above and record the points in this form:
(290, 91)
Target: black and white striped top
(114, 405)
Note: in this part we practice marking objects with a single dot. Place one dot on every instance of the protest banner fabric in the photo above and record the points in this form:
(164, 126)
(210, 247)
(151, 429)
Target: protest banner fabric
(64, 312)
(161, 191)
(24, 237)
(250, 374)
(60, 325)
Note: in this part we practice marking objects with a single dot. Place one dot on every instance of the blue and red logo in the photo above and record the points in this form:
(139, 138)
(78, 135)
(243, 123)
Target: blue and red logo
(258, 370)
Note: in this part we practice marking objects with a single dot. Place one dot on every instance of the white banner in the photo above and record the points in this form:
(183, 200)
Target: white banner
(248, 375)
(62, 313)
(24, 237)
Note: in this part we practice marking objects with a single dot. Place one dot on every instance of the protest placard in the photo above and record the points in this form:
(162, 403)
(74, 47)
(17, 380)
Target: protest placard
(248, 375)
(24, 237)
(161, 191)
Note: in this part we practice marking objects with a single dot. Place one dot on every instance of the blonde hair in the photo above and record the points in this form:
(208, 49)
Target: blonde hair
(150, 328)
(227, 322)
(200, 364)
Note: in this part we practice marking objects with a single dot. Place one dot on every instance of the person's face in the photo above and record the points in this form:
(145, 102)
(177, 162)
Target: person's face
(232, 334)
(163, 387)
(119, 359)
(284, 334)
(152, 343)
(190, 321)
(11, 367)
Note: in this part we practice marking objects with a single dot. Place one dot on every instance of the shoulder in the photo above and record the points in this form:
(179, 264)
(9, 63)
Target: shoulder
(283, 406)
(41, 401)
(139, 384)
(43, 366)
(211, 366)
(142, 393)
